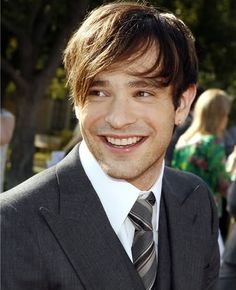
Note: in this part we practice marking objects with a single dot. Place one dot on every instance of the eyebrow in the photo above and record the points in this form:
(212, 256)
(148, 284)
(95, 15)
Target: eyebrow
(142, 83)
(131, 84)
(100, 83)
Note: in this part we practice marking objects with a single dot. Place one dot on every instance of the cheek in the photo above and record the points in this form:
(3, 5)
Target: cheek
(88, 115)
(86, 121)
(165, 127)
(91, 118)
(162, 118)
(162, 130)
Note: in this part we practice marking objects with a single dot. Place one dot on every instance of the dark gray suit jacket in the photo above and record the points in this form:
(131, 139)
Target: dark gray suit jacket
(227, 279)
(56, 235)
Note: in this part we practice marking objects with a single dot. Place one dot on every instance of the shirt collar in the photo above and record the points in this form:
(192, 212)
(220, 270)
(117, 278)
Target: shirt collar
(116, 195)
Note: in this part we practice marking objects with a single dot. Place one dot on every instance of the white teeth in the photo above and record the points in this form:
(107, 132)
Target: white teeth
(123, 141)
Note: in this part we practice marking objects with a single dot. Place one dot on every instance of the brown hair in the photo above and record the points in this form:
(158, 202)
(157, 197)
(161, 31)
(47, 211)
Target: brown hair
(124, 31)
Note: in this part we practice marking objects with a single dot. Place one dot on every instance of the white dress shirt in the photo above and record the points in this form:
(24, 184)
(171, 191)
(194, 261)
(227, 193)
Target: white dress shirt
(118, 197)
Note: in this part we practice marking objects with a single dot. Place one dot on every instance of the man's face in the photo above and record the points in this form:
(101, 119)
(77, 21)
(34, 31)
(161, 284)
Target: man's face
(127, 122)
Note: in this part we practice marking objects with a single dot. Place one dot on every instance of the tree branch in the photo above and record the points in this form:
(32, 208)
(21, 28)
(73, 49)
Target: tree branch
(33, 14)
(41, 26)
(11, 71)
(56, 51)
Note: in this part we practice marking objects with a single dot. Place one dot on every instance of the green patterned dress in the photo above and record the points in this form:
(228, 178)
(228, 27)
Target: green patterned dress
(205, 158)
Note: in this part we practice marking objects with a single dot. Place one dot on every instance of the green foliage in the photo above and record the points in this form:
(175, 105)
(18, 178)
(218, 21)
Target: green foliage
(11, 88)
(57, 89)
(13, 45)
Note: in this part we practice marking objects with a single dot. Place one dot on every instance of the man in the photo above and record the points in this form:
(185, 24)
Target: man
(110, 215)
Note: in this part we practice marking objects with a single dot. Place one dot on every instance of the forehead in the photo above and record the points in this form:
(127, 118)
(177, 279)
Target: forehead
(139, 62)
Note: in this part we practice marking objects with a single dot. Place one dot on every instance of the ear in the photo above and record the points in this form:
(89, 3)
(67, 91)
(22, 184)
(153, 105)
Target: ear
(185, 103)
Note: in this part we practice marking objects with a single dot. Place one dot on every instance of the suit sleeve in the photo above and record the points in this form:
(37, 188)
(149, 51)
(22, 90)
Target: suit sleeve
(212, 267)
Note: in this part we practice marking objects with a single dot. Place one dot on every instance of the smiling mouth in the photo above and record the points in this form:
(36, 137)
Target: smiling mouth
(123, 142)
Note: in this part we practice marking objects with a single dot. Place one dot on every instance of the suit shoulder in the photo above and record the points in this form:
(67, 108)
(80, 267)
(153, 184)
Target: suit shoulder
(186, 186)
(38, 187)
(186, 179)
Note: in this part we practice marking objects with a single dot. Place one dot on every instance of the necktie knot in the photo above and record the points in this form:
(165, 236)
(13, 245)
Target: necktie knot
(141, 213)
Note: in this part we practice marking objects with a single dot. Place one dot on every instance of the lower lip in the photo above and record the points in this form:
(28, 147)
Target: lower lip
(123, 149)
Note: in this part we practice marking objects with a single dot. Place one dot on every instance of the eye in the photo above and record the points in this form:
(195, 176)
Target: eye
(143, 94)
(96, 93)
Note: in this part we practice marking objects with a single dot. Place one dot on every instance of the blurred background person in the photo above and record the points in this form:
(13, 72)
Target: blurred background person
(231, 164)
(230, 139)
(201, 150)
(7, 126)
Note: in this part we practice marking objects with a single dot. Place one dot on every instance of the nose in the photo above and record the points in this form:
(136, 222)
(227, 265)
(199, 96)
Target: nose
(120, 114)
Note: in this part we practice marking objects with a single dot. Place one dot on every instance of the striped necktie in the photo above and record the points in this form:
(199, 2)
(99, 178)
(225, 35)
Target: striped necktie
(143, 248)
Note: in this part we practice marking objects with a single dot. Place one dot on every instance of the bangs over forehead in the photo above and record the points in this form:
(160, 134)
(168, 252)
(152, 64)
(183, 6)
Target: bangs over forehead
(124, 32)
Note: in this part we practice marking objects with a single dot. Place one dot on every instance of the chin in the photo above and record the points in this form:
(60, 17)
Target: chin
(117, 173)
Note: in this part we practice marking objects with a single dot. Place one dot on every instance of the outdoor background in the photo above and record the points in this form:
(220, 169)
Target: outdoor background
(34, 35)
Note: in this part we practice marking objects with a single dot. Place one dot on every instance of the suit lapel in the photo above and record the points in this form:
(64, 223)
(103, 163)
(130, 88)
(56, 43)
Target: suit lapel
(85, 234)
(163, 280)
(181, 206)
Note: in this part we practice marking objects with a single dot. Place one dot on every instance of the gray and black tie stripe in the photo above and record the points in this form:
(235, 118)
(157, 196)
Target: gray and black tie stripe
(143, 248)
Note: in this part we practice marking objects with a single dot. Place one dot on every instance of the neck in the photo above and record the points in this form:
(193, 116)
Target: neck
(145, 181)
